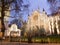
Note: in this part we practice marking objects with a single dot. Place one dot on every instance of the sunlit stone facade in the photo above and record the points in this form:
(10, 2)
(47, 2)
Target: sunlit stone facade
(49, 23)
(13, 29)
(6, 18)
(54, 24)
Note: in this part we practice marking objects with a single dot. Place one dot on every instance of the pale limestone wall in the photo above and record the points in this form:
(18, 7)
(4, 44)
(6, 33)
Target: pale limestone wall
(36, 19)
(41, 19)
(54, 23)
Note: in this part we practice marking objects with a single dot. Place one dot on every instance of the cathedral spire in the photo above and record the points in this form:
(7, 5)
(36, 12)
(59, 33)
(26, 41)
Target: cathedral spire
(44, 11)
(38, 9)
(28, 16)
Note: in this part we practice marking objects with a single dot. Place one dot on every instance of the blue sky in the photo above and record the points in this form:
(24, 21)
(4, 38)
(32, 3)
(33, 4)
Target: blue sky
(35, 4)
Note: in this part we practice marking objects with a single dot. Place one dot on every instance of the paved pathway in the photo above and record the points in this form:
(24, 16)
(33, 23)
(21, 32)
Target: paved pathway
(18, 43)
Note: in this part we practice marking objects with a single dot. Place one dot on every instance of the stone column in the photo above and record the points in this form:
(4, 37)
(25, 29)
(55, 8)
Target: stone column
(52, 25)
(57, 26)
(44, 23)
(39, 21)
(49, 26)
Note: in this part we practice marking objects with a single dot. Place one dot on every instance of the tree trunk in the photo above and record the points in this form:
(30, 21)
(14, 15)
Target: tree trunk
(3, 26)
(29, 38)
(2, 17)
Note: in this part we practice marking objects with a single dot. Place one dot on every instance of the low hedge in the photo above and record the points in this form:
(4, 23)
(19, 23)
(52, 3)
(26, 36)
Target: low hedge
(46, 39)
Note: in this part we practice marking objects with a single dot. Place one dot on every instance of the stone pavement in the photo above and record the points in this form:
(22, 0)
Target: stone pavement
(18, 43)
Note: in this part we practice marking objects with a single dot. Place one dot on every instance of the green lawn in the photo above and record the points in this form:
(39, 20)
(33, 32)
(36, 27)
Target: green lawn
(46, 39)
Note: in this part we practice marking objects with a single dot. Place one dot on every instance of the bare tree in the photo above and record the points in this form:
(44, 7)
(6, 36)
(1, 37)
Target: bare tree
(54, 5)
(5, 5)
